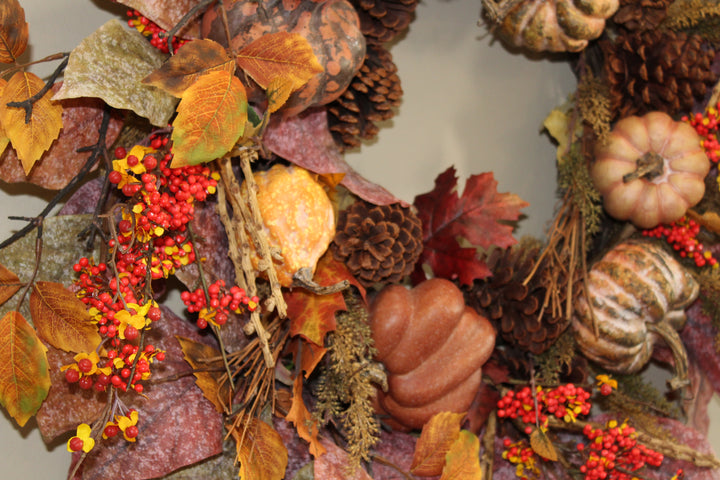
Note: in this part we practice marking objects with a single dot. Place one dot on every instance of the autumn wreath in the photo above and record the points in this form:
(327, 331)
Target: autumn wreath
(329, 329)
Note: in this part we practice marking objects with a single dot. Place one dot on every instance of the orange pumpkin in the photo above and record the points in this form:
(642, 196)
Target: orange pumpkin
(433, 347)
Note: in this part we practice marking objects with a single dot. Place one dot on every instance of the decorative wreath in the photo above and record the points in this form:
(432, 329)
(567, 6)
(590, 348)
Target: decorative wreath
(330, 330)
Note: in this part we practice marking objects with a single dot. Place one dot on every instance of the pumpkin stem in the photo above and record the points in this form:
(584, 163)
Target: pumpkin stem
(672, 339)
(303, 278)
(649, 166)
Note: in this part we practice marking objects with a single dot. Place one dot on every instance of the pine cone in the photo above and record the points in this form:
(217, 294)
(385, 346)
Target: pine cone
(657, 70)
(370, 98)
(378, 243)
(514, 308)
(641, 14)
(382, 20)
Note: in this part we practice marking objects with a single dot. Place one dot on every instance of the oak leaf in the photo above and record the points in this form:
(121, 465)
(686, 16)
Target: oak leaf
(211, 118)
(9, 284)
(209, 381)
(478, 216)
(184, 68)
(462, 461)
(437, 435)
(29, 138)
(299, 415)
(61, 319)
(24, 376)
(260, 451)
(13, 31)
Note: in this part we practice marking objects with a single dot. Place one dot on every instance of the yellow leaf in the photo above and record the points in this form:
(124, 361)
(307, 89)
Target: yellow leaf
(211, 118)
(300, 416)
(542, 445)
(188, 64)
(278, 91)
(437, 435)
(198, 356)
(462, 461)
(9, 284)
(260, 451)
(279, 55)
(4, 140)
(24, 376)
(61, 319)
(13, 31)
(31, 139)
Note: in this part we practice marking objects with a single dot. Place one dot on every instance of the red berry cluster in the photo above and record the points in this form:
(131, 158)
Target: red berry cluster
(151, 30)
(613, 453)
(565, 402)
(221, 303)
(682, 236)
(706, 125)
(522, 455)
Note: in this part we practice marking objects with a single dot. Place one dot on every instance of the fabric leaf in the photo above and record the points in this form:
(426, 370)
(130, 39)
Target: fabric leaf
(463, 459)
(209, 382)
(24, 376)
(4, 140)
(13, 31)
(299, 415)
(9, 284)
(260, 451)
(211, 118)
(168, 14)
(437, 435)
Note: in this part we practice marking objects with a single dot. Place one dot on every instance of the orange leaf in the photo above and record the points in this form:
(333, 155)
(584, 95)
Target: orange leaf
(198, 355)
(278, 91)
(542, 445)
(188, 64)
(282, 54)
(300, 416)
(13, 31)
(260, 450)
(462, 461)
(437, 435)
(211, 118)
(311, 356)
(24, 376)
(30, 139)
(4, 140)
(61, 319)
(9, 284)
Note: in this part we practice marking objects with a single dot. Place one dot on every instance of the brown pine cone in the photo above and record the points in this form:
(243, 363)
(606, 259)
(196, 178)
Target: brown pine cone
(382, 20)
(657, 70)
(514, 308)
(378, 243)
(370, 98)
(641, 14)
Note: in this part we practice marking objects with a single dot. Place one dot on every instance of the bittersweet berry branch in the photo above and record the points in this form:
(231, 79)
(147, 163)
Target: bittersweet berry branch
(49, 58)
(192, 13)
(28, 103)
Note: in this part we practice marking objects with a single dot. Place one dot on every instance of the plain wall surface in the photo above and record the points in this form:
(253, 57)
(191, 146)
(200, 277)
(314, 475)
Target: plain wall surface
(467, 102)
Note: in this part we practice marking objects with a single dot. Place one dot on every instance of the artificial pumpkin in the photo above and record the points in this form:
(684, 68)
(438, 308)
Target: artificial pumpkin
(298, 218)
(650, 170)
(554, 25)
(331, 27)
(433, 347)
(637, 293)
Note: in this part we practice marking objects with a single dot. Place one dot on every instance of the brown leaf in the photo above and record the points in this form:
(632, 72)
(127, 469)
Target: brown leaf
(61, 319)
(302, 419)
(198, 355)
(9, 284)
(13, 31)
(196, 58)
(24, 377)
(168, 14)
(335, 464)
(542, 445)
(30, 139)
(437, 435)
(260, 451)
(463, 459)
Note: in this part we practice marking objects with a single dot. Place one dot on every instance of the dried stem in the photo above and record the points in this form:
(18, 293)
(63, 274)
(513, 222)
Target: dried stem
(488, 441)
(28, 103)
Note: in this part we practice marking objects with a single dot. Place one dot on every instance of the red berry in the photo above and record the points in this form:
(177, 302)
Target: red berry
(72, 375)
(120, 152)
(115, 177)
(132, 431)
(160, 356)
(111, 430)
(76, 444)
(131, 333)
(85, 365)
(154, 314)
(85, 383)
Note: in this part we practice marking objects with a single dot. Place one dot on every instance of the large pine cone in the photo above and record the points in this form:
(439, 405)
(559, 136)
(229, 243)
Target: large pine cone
(641, 14)
(514, 308)
(371, 97)
(382, 20)
(657, 70)
(378, 243)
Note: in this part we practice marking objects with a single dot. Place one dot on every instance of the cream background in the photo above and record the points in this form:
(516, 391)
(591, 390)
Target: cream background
(468, 102)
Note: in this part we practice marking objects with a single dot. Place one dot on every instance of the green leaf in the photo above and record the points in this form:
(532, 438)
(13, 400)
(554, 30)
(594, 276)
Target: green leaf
(110, 64)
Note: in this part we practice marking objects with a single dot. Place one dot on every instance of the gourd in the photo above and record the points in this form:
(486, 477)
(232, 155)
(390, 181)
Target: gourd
(433, 347)
(650, 170)
(637, 293)
(298, 219)
(555, 25)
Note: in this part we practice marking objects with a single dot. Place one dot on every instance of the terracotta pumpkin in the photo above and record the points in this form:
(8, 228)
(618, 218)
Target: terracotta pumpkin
(650, 170)
(433, 347)
(638, 293)
(298, 218)
(556, 25)
(331, 27)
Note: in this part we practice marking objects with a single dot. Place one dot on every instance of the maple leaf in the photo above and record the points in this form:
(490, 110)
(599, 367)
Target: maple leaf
(9, 284)
(463, 459)
(13, 31)
(211, 118)
(24, 377)
(61, 319)
(474, 216)
(29, 139)
(299, 415)
(209, 382)
(437, 435)
(184, 68)
(260, 451)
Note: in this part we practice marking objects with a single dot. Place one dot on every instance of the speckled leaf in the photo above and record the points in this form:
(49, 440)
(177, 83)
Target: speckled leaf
(300, 416)
(335, 465)
(29, 139)
(167, 14)
(260, 451)
(9, 284)
(437, 435)
(218, 467)
(24, 377)
(463, 459)
(110, 64)
(183, 69)
(211, 118)
(61, 319)
(13, 31)
(398, 447)
(198, 355)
